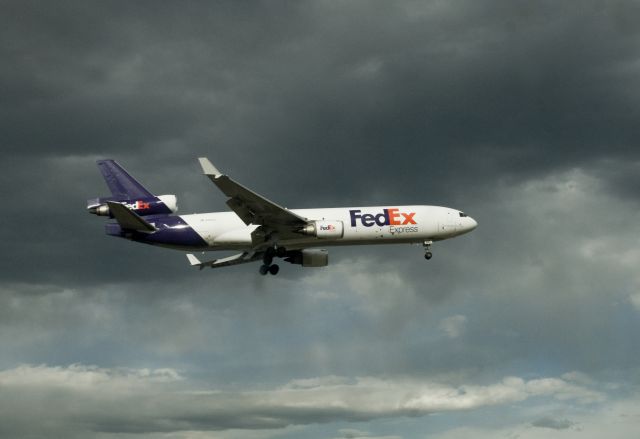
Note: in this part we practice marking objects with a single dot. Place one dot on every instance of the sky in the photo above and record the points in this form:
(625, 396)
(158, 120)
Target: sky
(523, 114)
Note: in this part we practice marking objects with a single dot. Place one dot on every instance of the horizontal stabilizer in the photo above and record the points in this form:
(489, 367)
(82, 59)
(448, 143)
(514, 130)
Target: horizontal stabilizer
(193, 260)
(129, 220)
(241, 258)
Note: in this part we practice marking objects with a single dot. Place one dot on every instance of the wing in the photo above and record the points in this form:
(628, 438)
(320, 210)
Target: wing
(241, 258)
(251, 207)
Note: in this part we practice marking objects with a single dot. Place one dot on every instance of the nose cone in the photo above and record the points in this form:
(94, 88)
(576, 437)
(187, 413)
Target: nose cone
(470, 224)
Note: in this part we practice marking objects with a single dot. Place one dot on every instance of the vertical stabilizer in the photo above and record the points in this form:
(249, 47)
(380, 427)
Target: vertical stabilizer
(127, 191)
(122, 185)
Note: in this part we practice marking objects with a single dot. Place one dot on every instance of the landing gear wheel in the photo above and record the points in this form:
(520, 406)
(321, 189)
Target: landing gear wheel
(427, 249)
(274, 269)
(264, 269)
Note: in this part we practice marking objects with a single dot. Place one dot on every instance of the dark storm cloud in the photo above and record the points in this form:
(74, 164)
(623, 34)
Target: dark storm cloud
(424, 98)
(431, 82)
(414, 104)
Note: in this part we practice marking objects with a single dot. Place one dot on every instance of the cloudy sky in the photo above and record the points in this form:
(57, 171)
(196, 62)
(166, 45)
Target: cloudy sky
(525, 114)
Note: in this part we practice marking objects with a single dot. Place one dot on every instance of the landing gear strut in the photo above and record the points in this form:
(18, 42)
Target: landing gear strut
(267, 259)
(427, 249)
(268, 256)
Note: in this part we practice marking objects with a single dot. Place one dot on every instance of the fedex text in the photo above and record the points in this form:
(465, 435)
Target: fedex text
(138, 205)
(388, 217)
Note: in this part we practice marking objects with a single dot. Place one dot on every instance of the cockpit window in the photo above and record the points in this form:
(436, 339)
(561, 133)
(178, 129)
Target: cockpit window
(463, 215)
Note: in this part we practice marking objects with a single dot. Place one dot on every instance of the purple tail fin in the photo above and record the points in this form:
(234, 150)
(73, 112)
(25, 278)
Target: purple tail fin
(127, 191)
(122, 185)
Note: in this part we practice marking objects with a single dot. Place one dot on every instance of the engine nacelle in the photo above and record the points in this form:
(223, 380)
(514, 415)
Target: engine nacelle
(171, 201)
(324, 229)
(309, 257)
(99, 209)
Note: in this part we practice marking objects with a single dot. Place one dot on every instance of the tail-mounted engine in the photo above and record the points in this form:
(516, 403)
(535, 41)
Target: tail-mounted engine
(324, 229)
(162, 204)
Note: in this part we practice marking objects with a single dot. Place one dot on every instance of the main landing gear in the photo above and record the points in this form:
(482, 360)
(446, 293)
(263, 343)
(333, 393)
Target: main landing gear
(267, 259)
(273, 269)
(427, 249)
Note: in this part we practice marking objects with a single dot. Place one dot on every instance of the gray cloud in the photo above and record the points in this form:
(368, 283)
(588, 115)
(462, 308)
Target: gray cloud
(453, 326)
(522, 114)
(553, 423)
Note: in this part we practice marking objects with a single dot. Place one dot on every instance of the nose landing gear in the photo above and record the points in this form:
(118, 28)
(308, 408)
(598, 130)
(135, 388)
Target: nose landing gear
(427, 249)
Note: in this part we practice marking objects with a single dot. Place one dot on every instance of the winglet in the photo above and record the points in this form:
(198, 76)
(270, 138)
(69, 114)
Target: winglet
(208, 168)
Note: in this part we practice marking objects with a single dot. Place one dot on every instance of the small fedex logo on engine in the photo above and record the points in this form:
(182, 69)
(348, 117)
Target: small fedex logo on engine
(388, 217)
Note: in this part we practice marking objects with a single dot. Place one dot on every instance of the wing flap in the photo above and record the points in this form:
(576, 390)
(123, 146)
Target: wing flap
(241, 258)
(245, 214)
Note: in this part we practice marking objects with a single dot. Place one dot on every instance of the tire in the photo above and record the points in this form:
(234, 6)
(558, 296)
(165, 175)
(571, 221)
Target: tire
(274, 269)
(428, 255)
(264, 269)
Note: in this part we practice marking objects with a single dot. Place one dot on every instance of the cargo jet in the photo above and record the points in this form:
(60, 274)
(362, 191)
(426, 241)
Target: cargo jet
(261, 230)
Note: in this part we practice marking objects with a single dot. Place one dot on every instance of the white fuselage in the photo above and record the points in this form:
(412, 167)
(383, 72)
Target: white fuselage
(360, 225)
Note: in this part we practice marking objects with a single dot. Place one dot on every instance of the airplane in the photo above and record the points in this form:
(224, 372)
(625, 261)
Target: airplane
(261, 230)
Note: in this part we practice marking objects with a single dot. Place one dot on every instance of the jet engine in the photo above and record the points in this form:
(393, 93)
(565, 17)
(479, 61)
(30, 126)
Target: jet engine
(171, 201)
(324, 229)
(309, 257)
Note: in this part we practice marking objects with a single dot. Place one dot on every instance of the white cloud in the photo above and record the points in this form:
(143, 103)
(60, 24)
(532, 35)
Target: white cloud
(161, 400)
(80, 377)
